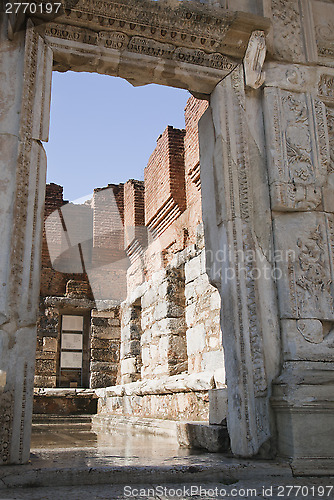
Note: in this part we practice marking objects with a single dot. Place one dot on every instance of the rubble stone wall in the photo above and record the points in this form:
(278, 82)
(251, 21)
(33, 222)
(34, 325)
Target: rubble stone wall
(104, 347)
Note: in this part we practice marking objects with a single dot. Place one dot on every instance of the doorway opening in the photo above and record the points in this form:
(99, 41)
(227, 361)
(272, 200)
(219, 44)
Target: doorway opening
(132, 258)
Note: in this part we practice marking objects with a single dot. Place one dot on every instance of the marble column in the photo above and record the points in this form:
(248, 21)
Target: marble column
(25, 83)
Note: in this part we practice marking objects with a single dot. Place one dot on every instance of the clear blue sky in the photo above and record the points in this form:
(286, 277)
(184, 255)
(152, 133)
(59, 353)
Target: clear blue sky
(103, 130)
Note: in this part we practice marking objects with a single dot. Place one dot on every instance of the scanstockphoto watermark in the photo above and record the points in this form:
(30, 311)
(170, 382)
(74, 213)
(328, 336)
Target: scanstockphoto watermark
(227, 264)
(214, 492)
(185, 491)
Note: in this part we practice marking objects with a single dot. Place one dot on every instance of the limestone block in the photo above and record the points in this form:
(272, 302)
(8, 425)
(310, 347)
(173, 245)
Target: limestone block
(220, 378)
(110, 355)
(102, 379)
(308, 339)
(46, 366)
(97, 343)
(215, 300)
(195, 339)
(213, 360)
(146, 338)
(103, 366)
(107, 333)
(164, 342)
(190, 293)
(177, 348)
(147, 317)
(193, 268)
(213, 438)
(128, 365)
(50, 344)
(305, 272)
(137, 293)
(46, 355)
(145, 355)
(201, 285)
(217, 406)
(214, 343)
(191, 314)
(45, 381)
(172, 325)
(102, 314)
(164, 309)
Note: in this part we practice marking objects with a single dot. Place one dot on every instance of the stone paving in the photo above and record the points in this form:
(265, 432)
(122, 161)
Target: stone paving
(74, 465)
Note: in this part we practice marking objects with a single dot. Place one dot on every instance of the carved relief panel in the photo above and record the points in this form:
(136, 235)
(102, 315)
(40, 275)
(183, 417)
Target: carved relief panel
(305, 271)
(298, 149)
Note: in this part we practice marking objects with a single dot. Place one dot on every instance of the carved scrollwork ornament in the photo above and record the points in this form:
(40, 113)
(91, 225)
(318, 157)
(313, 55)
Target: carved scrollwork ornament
(254, 60)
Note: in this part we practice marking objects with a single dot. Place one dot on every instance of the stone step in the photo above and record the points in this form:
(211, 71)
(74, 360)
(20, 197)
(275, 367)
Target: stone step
(76, 422)
(197, 435)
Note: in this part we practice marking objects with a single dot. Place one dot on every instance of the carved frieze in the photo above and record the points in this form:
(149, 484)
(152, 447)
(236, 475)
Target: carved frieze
(305, 274)
(140, 45)
(298, 149)
(186, 24)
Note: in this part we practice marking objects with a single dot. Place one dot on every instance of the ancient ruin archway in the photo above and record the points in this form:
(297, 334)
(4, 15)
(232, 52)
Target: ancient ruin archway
(210, 51)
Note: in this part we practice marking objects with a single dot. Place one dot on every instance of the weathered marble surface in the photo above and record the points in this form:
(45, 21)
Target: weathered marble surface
(25, 78)
(233, 166)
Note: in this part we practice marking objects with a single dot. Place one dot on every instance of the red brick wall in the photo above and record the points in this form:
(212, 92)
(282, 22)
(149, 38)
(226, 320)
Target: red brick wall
(134, 212)
(108, 219)
(108, 279)
(164, 174)
(193, 112)
(53, 283)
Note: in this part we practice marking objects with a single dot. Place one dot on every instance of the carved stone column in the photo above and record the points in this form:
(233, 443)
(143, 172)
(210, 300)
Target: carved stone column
(239, 252)
(299, 118)
(25, 78)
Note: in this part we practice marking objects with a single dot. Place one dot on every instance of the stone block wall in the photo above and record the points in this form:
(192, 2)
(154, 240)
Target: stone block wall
(131, 356)
(47, 347)
(163, 341)
(104, 347)
(204, 336)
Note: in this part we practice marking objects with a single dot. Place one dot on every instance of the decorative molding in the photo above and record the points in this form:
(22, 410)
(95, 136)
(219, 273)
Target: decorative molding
(6, 423)
(254, 60)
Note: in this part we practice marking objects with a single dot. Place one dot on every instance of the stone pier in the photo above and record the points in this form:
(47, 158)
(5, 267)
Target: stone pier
(25, 79)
